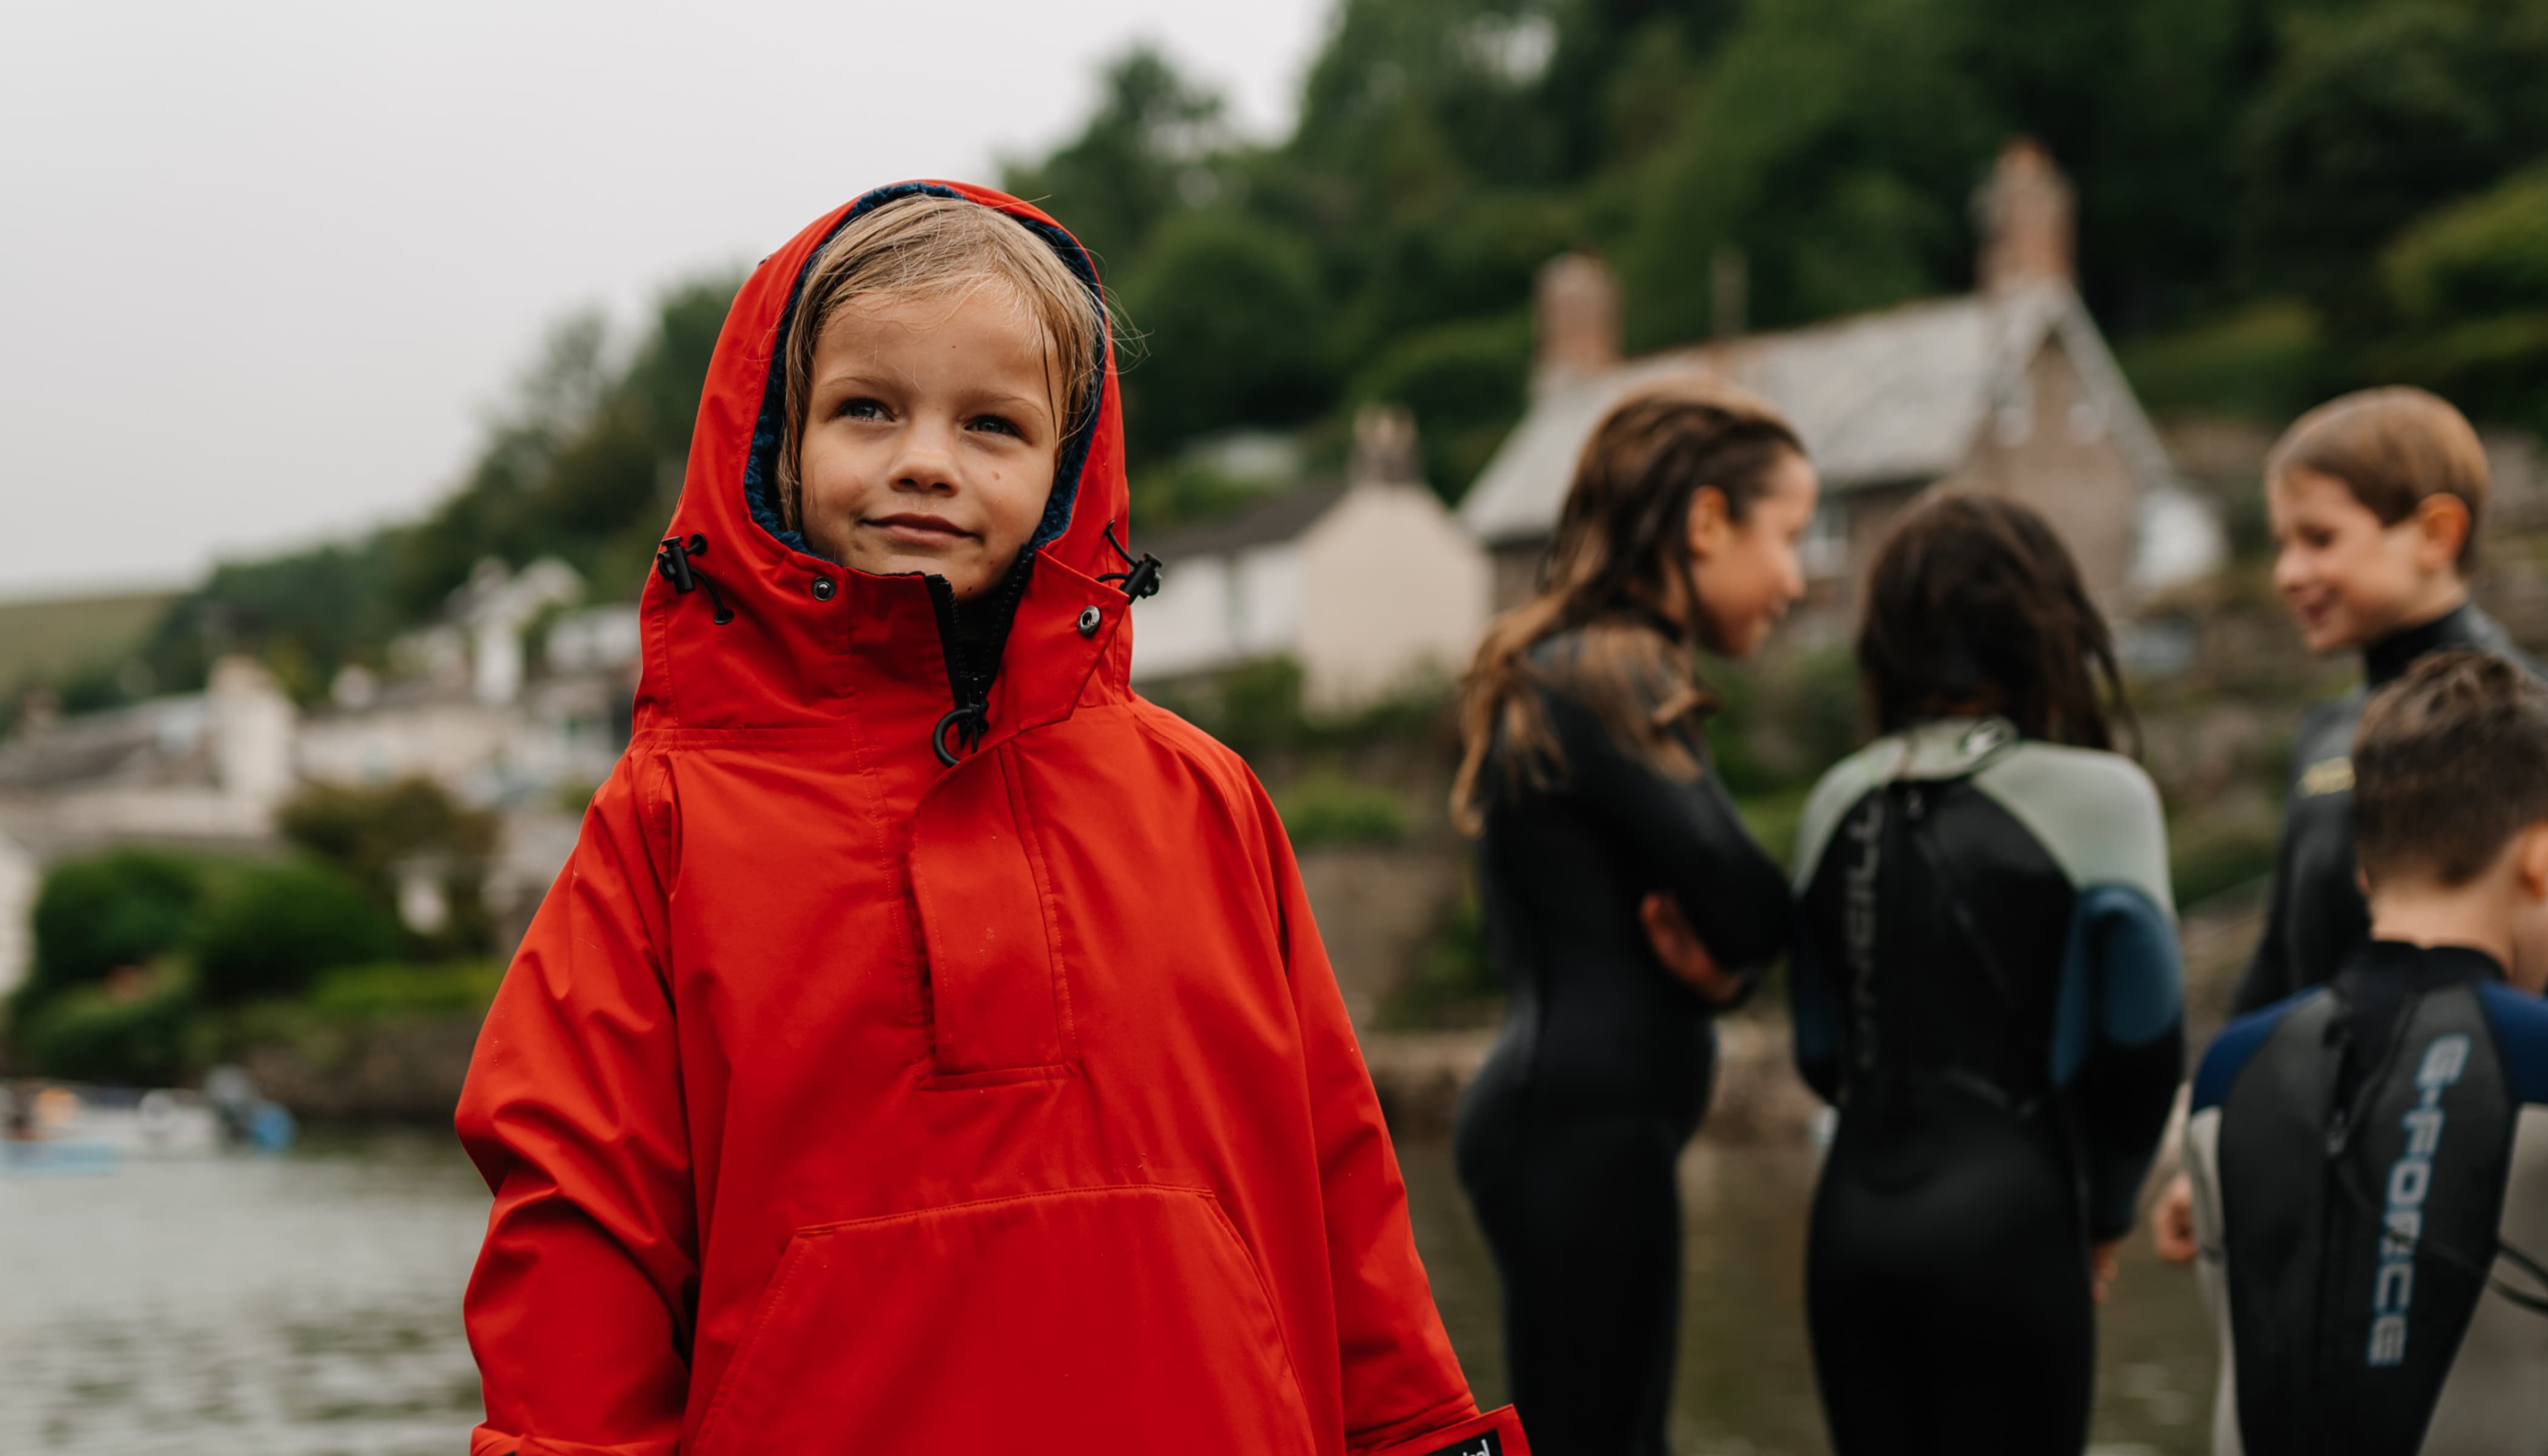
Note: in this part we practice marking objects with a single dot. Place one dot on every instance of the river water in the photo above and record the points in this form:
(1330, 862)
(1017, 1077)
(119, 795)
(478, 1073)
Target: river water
(309, 1305)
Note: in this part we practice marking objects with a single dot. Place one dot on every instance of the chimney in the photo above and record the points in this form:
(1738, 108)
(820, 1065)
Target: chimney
(2023, 213)
(1384, 448)
(1578, 320)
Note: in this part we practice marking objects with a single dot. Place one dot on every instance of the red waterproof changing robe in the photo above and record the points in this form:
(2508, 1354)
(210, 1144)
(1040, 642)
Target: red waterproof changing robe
(839, 1101)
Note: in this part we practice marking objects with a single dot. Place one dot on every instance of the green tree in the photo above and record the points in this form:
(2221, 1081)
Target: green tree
(2469, 287)
(1145, 154)
(1233, 309)
(281, 925)
(1465, 382)
(589, 463)
(2375, 115)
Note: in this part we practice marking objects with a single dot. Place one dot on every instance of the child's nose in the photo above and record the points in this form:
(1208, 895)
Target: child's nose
(924, 459)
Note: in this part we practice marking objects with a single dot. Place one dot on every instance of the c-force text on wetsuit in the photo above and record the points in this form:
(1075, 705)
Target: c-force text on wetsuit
(2411, 1179)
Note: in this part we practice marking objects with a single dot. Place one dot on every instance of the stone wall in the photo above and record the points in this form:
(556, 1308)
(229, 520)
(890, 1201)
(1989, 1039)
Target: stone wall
(1378, 909)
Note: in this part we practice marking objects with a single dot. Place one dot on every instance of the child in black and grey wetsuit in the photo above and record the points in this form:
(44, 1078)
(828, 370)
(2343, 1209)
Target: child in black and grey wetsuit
(2376, 501)
(1986, 986)
(2369, 1158)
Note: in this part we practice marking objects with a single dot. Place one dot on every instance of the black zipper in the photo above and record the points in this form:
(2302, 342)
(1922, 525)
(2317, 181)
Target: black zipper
(969, 688)
(973, 664)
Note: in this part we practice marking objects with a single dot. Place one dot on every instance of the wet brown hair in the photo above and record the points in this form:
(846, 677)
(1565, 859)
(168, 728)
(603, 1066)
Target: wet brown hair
(2391, 447)
(926, 247)
(1621, 543)
(2449, 763)
(1973, 601)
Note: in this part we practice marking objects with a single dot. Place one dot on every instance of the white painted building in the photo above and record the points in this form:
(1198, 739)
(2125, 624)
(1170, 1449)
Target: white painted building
(1369, 584)
(208, 770)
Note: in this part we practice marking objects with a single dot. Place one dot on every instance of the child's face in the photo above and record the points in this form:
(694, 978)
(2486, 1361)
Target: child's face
(1746, 574)
(929, 435)
(2345, 577)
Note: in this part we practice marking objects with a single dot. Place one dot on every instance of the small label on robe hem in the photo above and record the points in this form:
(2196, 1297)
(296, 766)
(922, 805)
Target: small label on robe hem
(1489, 1444)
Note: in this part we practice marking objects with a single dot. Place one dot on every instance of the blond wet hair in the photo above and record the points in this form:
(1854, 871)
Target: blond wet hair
(926, 247)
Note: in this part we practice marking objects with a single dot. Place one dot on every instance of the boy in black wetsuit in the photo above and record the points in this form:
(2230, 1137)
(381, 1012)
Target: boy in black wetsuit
(2375, 499)
(2370, 1157)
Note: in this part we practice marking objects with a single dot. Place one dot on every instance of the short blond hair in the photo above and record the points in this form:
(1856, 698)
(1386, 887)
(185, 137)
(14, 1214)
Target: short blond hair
(928, 246)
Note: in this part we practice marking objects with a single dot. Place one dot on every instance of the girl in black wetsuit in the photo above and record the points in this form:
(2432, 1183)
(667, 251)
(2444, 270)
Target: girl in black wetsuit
(1986, 985)
(1585, 773)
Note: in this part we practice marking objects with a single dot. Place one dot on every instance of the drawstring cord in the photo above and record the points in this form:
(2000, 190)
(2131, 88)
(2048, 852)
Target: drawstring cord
(970, 718)
(1139, 578)
(676, 562)
(673, 562)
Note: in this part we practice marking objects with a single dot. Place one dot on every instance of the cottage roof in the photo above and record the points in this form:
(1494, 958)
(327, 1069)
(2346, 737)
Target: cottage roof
(1888, 396)
(154, 742)
(1280, 516)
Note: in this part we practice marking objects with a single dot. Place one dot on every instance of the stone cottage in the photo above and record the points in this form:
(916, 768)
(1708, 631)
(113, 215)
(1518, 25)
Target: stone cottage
(2009, 390)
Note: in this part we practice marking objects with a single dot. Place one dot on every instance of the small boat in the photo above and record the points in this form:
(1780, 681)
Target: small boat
(69, 1127)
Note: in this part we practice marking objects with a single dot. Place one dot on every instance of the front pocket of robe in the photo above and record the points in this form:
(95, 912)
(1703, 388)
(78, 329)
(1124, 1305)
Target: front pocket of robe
(1114, 1318)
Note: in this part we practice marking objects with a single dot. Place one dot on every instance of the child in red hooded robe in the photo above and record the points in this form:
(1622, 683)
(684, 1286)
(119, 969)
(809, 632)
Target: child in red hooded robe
(928, 1047)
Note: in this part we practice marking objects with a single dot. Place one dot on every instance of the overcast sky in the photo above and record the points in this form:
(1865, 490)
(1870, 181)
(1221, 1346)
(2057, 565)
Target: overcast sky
(264, 267)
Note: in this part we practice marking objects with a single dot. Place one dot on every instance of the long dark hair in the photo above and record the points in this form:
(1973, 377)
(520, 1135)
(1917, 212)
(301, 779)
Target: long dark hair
(1621, 546)
(1975, 603)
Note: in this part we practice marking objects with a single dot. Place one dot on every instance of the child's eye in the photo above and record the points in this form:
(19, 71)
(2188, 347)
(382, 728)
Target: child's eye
(859, 407)
(996, 424)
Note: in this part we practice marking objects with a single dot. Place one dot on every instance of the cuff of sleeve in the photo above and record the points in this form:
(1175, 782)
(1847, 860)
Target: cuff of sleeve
(1496, 1433)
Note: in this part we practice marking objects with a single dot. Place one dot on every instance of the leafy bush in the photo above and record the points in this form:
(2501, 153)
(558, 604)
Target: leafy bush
(282, 925)
(396, 988)
(1451, 984)
(1780, 723)
(93, 1034)
(2207, 859)
(96, 915)
(1259, 708)
(1326, 810)
(366, 831)
(2267, 361)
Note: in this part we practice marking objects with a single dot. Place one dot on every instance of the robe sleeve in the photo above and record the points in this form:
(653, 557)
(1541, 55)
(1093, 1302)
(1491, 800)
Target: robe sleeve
(580, 1309)
(1403, 1391)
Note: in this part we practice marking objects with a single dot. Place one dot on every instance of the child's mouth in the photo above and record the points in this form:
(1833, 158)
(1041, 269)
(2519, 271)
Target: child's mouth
(911, 529)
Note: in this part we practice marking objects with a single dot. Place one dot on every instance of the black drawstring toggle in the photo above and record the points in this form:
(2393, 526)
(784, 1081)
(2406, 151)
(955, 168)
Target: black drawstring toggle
(673, 562)
(1140, 577)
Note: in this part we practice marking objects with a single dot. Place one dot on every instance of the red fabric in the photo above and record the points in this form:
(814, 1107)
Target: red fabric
(841, 1102)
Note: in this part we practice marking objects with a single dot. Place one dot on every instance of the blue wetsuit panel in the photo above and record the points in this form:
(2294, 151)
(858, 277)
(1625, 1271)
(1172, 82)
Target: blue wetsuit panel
(2520, 1022)
(2230, 1050)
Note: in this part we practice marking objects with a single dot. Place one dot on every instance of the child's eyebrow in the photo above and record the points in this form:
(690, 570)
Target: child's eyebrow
(862, 379)
(994, 398)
